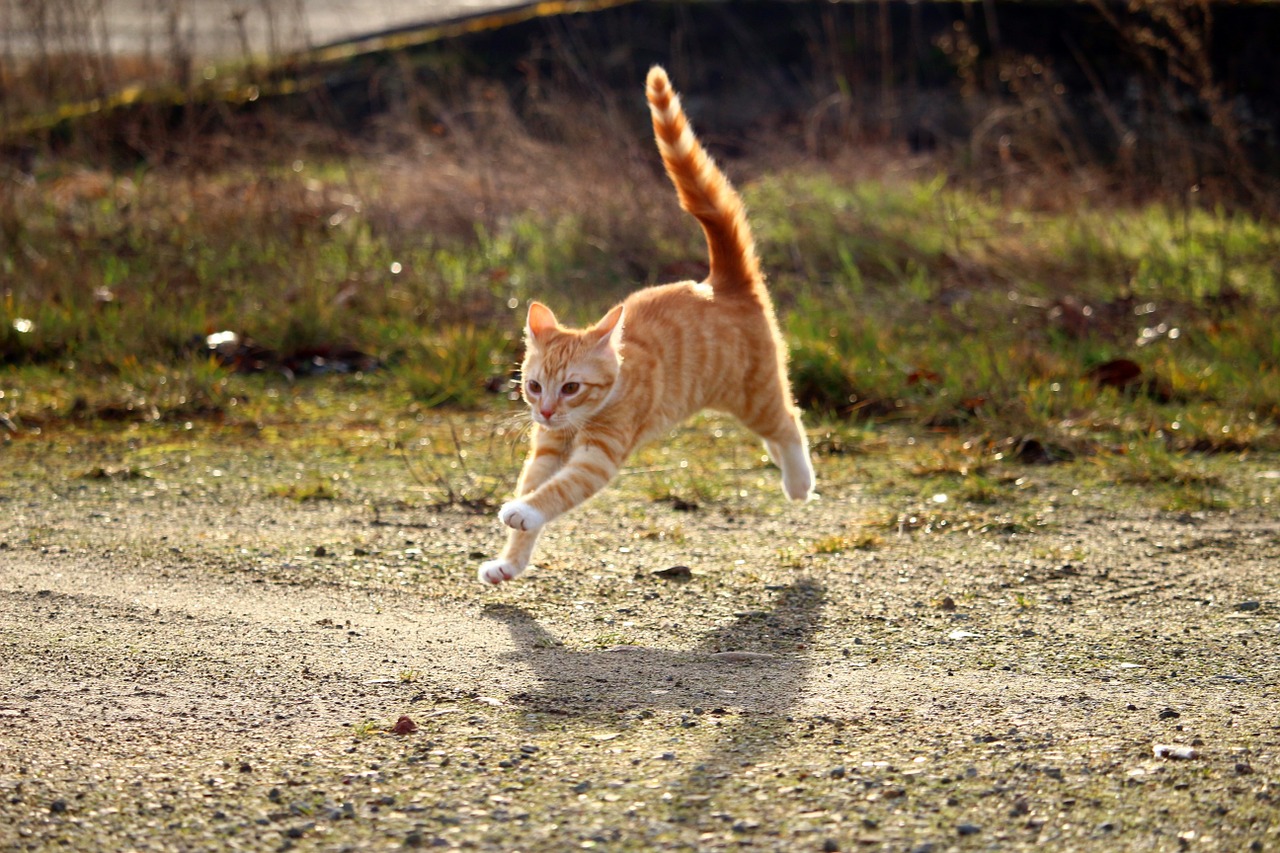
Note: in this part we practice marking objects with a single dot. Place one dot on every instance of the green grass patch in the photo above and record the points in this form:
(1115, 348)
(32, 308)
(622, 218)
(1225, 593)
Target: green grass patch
(1027, 335)
(304, 492)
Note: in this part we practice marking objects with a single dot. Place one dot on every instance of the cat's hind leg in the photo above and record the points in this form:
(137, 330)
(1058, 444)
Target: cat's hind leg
(788, 447)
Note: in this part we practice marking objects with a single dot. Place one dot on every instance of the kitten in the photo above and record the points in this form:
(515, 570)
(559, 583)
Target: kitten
(666, 352)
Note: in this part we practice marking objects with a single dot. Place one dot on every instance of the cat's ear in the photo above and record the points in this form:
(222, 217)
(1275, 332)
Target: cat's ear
(608, 332)
(541, 322)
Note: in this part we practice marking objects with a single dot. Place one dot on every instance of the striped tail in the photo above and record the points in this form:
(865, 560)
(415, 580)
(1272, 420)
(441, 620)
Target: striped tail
(704, 192)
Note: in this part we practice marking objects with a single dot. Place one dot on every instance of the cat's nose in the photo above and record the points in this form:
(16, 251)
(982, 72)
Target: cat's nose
(547, 413)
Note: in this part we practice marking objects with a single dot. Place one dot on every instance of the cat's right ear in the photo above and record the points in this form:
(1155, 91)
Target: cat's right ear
(541, 322)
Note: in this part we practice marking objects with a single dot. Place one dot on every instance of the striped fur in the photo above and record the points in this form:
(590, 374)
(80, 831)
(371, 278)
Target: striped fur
(665, 353)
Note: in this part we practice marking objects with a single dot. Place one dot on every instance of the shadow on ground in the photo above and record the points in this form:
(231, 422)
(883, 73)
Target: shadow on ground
(742, 679)
(751, 664)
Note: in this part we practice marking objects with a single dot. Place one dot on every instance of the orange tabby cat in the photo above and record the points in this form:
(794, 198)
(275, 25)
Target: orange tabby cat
(663, 354)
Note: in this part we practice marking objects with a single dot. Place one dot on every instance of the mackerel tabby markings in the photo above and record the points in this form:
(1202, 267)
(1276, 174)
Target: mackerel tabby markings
(665, 353)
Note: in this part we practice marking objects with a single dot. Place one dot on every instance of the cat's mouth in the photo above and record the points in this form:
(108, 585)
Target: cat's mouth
(556, 420)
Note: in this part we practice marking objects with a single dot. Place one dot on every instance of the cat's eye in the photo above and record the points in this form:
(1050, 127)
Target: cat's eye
(534, 387)
(569, 388)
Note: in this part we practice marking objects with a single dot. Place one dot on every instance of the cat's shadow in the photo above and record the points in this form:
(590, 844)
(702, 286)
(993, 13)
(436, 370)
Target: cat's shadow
(751, 665)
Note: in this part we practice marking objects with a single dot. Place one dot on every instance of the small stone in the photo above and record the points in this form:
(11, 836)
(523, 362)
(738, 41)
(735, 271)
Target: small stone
(321, 551)
(830, 846)
(581, 787)
(674, 573)
(1182, 753)
(837, 772)
(1169, 714)
(58, 806)
(1248, 606)
(968, 829)
(246, 767)
(1243, 768)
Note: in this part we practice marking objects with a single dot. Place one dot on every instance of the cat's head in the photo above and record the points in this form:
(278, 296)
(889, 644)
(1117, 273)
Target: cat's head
(568, 374)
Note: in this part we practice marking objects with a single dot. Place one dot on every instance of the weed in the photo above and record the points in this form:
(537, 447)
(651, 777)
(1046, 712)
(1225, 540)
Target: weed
(609, 639)
(863, 541)
(367, 728)
(453, 480)
(319, 490)
(790, 558)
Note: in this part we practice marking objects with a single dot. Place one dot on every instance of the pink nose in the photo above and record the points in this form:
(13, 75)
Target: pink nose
(546, 413)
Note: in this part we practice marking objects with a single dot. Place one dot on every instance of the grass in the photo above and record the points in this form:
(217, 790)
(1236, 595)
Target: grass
(304, 492)
(906, 299)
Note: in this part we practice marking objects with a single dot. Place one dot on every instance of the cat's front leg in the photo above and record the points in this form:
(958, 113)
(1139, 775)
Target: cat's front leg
(588, 470)
(513, 561)
(519, 515)
(544, 460)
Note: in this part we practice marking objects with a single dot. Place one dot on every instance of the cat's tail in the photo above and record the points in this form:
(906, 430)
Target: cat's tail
(704, 192)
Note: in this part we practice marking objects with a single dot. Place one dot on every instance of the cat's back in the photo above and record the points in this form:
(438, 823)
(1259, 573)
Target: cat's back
(686, 347)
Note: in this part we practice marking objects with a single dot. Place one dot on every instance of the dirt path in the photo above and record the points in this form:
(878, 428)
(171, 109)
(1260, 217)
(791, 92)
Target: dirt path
(196, 664)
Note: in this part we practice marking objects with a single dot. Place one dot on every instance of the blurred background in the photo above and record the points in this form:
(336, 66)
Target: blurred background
(1077, 196)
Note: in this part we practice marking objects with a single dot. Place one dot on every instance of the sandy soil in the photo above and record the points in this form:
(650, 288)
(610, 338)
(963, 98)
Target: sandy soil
(190, 662)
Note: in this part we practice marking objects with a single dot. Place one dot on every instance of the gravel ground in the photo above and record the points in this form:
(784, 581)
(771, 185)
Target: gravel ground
(191, 661)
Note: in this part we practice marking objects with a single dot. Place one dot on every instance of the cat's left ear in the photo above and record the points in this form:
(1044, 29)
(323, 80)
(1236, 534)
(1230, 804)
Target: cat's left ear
(608, 332)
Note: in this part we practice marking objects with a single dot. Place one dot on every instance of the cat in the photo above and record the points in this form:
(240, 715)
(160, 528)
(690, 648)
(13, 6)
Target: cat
(665, 353)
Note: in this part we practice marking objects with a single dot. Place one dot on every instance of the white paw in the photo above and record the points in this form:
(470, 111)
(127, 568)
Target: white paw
(494, 572)
(521, 516)
(798, 483)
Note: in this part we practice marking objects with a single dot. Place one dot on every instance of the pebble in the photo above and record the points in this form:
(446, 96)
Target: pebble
(675, 573)
(968, 829)
(1247, 606)
(1167, 750)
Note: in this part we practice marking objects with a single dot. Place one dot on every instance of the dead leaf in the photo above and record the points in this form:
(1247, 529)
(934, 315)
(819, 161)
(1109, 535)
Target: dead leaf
(404, 726)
